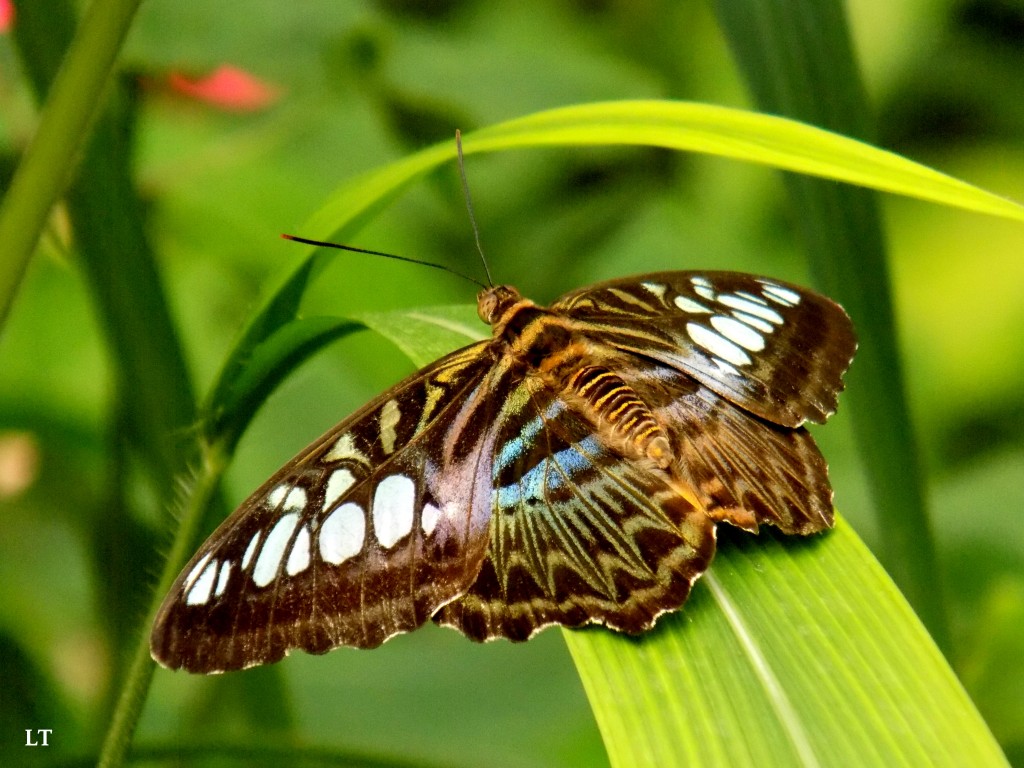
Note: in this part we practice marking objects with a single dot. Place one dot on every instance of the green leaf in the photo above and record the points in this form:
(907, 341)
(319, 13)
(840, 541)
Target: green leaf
(758, 138)
(843, 242)
(71, 103)
(424, 335)
(741, 135)
(765, 139)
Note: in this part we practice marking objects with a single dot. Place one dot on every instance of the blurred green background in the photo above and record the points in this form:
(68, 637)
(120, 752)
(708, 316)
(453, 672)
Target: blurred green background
(356, 85)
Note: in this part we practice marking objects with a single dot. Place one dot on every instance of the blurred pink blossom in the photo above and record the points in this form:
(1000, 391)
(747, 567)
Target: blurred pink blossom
(227, 87)
(6, 15)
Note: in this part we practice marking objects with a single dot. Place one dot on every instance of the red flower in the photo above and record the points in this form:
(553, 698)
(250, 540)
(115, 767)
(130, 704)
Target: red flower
(6, 15)
(227, 87)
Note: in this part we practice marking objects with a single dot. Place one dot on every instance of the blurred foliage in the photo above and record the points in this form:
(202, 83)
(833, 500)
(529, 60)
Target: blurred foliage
(361, 84)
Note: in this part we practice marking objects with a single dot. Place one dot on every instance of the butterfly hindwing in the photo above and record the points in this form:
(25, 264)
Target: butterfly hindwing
(744, 469)
(577, 535)
(362, 536)
(774, 349)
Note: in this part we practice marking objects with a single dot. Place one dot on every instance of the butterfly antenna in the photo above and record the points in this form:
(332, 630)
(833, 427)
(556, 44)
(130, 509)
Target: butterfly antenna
(469, 205)
(353, 249)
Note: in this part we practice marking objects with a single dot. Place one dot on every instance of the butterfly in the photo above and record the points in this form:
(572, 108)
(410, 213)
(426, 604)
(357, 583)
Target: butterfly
(569, 470)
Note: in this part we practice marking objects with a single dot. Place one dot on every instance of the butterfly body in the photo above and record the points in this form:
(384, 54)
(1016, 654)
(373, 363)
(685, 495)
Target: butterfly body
(569, 470)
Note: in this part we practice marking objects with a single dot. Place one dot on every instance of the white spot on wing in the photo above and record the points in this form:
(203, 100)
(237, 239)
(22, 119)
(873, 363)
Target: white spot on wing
(269, 559)
(200, 591)
(717, 345)
(298, 558)
(781, 295)
(765, 313)
(393, 509)
(345, 448)
(658, 289)
(724, 367)
(287, 497)
(342, 533)
(691, 306)
(296, 499)
(222, 580)
(276, 496)
(736, 331)
(428, 518)
(390, 415)
(196, 570)
(251, 549)
(704, 291)
(753, 322)
(339, 482)
(751, 297)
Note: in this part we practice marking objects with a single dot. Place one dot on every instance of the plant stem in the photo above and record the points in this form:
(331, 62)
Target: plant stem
(140, 671)
(46, 166)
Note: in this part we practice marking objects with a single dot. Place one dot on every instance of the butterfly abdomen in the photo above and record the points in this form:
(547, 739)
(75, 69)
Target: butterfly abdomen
(614, 406)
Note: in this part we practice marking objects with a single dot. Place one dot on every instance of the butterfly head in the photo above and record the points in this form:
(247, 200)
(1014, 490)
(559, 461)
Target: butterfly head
(494, 302)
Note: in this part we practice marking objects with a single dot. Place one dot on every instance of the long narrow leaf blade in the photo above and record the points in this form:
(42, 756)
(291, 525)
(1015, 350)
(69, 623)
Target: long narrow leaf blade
(733, 133)
(840, 227)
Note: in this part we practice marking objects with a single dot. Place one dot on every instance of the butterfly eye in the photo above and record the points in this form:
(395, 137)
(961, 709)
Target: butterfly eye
(496, 303)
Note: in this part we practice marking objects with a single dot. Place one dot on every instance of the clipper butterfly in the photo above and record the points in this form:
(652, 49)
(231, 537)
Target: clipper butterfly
(570, 470)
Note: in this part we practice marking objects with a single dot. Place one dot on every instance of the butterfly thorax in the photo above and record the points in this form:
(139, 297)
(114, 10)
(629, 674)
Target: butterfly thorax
(546, 345)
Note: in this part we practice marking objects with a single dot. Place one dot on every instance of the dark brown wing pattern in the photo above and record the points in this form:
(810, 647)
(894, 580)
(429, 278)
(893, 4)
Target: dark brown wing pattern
(739, 363)
(577, 535)
(774, 349)
(362, 536)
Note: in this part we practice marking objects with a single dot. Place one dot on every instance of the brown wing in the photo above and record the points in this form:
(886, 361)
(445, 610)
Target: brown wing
(363, 536)
(775, 349)
(745, 469)
(577, 535)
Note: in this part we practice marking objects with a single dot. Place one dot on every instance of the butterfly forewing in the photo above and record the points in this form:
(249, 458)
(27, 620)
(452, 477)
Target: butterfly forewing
(774, 349)
(362, 536)
(569, 470)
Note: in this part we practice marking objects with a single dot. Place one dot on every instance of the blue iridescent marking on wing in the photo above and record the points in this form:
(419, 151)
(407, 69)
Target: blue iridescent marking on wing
(522, 442)
(550, 474)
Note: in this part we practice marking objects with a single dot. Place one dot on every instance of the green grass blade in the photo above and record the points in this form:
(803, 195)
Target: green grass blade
(63, 127)
(425, 335)
(753, 137)
(737, 134)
